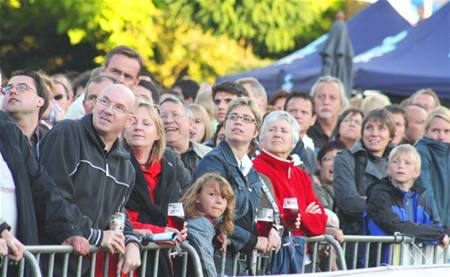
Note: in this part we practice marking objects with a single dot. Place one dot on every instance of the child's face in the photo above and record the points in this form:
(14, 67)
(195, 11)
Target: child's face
(211, 201)
(403, 170)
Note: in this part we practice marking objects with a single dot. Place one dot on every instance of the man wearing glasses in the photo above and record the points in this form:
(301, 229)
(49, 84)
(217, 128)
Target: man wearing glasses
(92, 169)
(25, 100)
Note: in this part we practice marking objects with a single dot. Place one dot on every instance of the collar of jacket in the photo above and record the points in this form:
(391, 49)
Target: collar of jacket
(117, 150)
(281, 165)
(432, 143)
(199, 149)
(225, 149)
(390, 186)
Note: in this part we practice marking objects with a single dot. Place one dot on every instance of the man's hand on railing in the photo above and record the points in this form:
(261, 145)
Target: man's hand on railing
(114, 241)
(15, 247)
(80, 245)
(130, 260)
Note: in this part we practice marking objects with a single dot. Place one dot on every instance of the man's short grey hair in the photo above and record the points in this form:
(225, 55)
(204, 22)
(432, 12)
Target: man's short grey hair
(176, 100)
(259, 90)
(331, 79)
(98, 80)
(429, 92)
(281, 115)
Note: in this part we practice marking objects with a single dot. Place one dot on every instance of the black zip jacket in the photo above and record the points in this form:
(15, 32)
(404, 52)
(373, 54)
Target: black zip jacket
(96, 181)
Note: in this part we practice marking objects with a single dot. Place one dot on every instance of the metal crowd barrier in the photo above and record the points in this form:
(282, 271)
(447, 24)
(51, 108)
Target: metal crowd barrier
(400, 249)
(359, 249)
(28, 259)
(259, 263)
(46, 256)
(363, 251)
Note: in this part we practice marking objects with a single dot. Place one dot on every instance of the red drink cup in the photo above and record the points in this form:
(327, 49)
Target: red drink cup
(290, 217)
(264, 227)
(175, 222)
(264, 221)
(290, 212)
(175, 216)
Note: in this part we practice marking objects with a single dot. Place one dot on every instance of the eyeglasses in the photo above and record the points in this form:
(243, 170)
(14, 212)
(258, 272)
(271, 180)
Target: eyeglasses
(351, 120)
(244, 118)
(20, 88)
(116, 108)
(175, 116)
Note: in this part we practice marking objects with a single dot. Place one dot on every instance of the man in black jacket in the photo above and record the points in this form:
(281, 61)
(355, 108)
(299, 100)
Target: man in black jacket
(34, 198)
(92, 170)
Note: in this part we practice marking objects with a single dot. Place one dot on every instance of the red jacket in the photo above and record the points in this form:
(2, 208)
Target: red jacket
(291, 181)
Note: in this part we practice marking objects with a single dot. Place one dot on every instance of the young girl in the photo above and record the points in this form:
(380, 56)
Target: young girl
(209, 207)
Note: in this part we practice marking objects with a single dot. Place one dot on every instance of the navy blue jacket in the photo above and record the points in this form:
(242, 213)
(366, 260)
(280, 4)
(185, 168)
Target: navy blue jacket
(387, 214)
(247, 189)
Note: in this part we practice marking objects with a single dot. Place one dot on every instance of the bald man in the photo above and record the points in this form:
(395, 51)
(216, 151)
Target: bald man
(92, 169)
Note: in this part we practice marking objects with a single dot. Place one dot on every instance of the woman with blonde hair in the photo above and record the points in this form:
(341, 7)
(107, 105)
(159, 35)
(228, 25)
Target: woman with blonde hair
(160, 174)
(434, 150)
(201, 126)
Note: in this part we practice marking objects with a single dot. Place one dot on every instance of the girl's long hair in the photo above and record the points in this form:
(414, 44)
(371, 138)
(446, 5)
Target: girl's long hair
(192, 208)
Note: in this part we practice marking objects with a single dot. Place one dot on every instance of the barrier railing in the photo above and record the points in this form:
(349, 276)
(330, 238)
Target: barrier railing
(68, 264)
(393, 250)
(354, 245)
(28, 258)
(259, 263)
(355, 252)
(333, 255)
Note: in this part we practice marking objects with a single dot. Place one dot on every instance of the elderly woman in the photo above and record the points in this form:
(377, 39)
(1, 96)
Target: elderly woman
(231, 161)
(434, 150)
(279, 134)
(361, 166)
(348, 127)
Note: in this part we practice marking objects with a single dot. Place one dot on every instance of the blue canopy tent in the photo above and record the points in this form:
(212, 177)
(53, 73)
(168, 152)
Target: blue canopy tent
(420, 60)
(299, 70)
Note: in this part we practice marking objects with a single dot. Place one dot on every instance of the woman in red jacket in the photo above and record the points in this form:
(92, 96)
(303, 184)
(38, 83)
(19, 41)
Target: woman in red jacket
(279, 134)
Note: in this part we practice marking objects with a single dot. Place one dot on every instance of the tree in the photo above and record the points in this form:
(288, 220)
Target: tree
(204, 38)
(271, 24)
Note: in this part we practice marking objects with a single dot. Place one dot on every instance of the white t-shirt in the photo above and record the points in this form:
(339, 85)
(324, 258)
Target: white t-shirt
(76, 109)
(8, 203)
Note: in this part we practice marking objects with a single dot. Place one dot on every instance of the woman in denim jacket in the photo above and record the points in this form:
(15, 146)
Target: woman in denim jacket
(230, 160)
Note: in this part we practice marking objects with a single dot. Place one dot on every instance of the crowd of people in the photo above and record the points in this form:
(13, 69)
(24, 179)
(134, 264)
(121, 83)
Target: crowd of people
(76, 153)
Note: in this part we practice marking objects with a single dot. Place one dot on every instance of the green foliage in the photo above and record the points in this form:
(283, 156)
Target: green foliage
(206, 38)
(275, 24)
